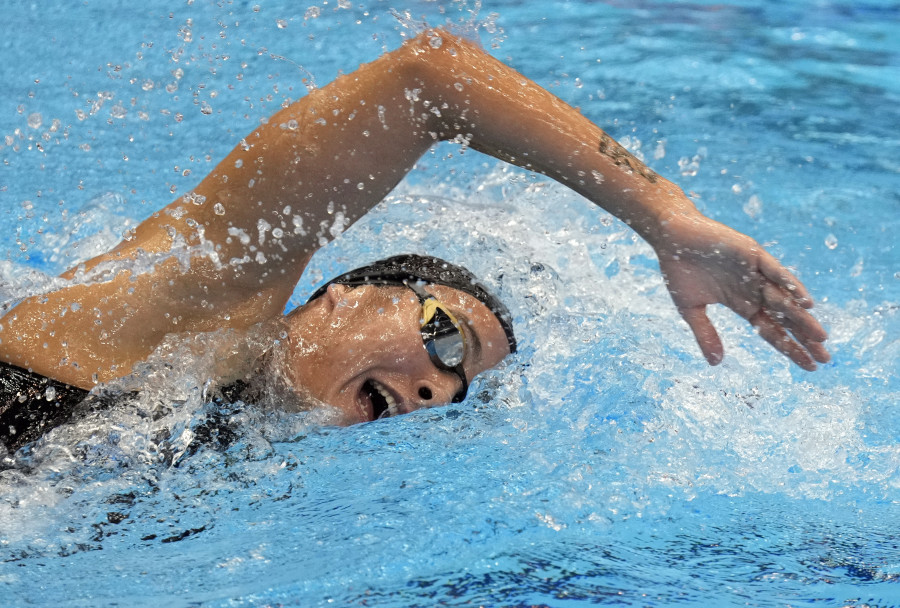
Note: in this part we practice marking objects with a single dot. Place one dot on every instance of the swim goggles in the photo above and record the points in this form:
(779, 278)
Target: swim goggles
(442, 334)
(442, 337)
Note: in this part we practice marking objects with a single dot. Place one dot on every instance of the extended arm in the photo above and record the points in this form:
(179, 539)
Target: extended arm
(704, 262)
(295, 182)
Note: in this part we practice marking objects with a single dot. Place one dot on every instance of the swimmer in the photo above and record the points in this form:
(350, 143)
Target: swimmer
(403, 334)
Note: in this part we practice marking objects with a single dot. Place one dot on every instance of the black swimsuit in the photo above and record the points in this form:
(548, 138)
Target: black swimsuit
(31, 404)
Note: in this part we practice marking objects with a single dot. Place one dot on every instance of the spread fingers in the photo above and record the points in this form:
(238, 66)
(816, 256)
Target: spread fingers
(786, 309)
(773, 333)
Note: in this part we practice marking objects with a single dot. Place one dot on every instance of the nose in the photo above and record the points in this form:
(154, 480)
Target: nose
(436, 391)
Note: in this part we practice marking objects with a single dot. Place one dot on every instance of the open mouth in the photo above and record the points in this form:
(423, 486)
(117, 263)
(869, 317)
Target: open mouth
(383, 403)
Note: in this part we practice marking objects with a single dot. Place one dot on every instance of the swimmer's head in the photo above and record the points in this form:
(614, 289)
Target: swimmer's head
(395, 336)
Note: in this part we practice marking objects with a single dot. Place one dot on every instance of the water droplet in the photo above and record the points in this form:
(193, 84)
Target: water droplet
(458, 86)
(238, 163)
(50, 393)
(312, 12)
(282, 24)
(660, 151)
(360, 186)
(205, 108)
(435, 42)
(831, 241)
(219, 209)
(753, 207)
(35, 120)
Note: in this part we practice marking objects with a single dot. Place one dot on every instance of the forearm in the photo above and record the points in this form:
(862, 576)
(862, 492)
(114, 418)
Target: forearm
(344, 147)
(502, 113)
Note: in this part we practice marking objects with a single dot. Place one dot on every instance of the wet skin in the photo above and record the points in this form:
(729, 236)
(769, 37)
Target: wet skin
(360, 350)
(298, 169)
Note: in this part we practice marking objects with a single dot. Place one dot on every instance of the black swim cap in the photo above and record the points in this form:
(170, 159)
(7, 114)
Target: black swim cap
(400, 269)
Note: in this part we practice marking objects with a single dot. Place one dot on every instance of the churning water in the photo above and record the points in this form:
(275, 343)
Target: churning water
(604, 463)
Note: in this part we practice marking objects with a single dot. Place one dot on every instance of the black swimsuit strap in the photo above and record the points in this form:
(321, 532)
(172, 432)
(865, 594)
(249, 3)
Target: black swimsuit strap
(31, 404)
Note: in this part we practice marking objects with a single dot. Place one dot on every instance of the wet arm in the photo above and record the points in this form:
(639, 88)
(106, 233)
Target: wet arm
(502, 113)
(320, 164)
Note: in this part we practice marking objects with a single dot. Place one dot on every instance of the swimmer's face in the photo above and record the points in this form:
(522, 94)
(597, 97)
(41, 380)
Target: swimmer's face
(360, 350)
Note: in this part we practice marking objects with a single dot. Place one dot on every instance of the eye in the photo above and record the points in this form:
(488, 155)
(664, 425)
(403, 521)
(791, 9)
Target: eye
(425, 393)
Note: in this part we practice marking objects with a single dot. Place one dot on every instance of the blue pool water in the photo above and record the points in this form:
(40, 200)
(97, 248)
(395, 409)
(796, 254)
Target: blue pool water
(605, 463)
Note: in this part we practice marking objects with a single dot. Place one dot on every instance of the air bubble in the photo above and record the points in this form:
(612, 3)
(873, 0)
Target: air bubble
(831, 241)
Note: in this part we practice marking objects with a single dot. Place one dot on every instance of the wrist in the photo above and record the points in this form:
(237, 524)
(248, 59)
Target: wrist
(663, 211)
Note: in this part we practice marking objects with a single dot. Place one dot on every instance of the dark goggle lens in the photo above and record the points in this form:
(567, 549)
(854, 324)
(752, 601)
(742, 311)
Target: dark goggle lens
(443, 339)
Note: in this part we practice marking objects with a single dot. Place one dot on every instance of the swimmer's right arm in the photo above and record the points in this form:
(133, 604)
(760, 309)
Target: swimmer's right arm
(323, 162)
(502, 113)
(341, 149)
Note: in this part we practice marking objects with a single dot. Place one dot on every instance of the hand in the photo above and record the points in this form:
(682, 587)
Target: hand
(705, 262)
